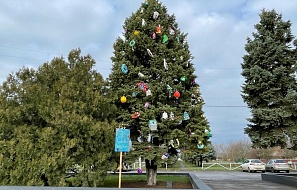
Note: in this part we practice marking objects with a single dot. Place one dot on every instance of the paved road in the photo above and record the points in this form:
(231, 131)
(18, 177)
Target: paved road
(220, 180)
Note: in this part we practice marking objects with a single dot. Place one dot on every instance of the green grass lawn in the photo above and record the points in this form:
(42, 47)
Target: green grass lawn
(113, 180)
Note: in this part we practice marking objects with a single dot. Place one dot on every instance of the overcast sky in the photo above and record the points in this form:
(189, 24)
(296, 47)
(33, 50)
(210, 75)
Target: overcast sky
(34, 31)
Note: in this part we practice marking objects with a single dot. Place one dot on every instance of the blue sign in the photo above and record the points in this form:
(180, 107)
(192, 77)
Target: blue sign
(122, 140)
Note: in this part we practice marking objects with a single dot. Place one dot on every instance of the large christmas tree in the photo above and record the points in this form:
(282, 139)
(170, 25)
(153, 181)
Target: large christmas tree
(153, 85)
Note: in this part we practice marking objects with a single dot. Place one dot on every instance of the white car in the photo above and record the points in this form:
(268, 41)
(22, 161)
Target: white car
(253, 165)
(277, 165)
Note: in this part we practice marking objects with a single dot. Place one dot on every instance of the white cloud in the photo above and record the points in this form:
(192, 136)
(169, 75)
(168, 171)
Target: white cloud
(217, 34)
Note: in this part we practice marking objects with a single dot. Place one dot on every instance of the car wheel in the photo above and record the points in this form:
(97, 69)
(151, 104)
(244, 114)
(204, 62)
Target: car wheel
(242, 169)
(272, 170)
(263, 171)
(288, 171)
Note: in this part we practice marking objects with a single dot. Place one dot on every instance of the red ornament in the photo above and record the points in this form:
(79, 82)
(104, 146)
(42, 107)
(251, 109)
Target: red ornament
(135, 115)
(176, 94)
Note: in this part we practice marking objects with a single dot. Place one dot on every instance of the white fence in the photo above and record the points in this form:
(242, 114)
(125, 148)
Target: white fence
(136, 165)
(227, 166)
(234, 166)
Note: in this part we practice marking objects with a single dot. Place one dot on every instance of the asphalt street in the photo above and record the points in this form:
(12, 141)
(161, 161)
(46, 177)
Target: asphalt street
(221, 180)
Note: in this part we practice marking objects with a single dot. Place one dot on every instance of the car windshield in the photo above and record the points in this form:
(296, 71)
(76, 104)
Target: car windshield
(256, 161)
(280, 161)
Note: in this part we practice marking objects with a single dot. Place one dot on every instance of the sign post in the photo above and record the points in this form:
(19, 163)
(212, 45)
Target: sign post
(122, 144)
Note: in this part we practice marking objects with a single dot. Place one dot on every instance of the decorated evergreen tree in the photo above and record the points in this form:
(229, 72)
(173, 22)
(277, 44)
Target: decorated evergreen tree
(269, 89)
(153, 85)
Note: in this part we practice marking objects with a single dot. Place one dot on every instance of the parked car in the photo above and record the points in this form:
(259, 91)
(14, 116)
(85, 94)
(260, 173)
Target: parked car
(253, 165)
(277, 165)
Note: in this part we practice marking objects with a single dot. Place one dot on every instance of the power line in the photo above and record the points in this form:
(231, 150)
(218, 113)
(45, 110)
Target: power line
(23, 49)
(219, 68)
(31, 50)
(216, 76)
(21, 57)
(225, 106)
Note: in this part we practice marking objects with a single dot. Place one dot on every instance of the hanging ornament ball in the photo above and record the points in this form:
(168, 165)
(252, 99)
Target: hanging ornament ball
(146, 104)
(193, 82)
(176, 94)
(200, 145)
(149, 52)
(165, 39)
(158, 29)
(136, 32)
(123, 99)
(122, 52)
(134, 94)
(169, 87)
(165, 64)
(183, 78)
(171, 31)
(140, 74)
(124, 68)
(155, 15)
(135, 115)
(154, 36)
(132, 43)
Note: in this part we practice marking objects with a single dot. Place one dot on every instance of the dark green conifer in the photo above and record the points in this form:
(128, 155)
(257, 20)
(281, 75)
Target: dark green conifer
(269, 68)
(154, 87)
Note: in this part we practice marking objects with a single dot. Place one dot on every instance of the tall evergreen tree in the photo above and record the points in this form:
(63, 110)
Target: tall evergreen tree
(269, 68)
(153, 85)
(51, 119)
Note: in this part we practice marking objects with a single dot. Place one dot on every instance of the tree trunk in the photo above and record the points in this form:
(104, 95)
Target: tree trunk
(200, 160)
(151, 172)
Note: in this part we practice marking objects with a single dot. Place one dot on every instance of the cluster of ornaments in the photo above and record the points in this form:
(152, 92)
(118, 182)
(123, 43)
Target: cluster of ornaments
(142, 86)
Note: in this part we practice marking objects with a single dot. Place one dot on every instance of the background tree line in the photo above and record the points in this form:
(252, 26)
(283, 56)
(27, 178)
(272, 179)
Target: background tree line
(238, 150)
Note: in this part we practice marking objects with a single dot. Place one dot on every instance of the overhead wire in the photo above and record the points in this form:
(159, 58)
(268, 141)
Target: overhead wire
(51, 53)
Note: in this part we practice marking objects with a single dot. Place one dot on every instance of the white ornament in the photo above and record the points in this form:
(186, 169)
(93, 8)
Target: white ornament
(171, 116)
(148, 92)
(165, 64)
(150, 53)
(143, 22)
(171, 31)
(165, 115)
(140, 74)
(156, 14)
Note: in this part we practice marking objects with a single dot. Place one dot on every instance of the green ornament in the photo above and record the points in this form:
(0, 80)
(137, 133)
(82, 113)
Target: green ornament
(165, 39)
(183, 78)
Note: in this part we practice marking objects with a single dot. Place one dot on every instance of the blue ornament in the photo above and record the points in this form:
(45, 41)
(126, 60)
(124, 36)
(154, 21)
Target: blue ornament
(132, 43)
(134, 94)
(124, 68)
(200, 145)
(186, 116)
